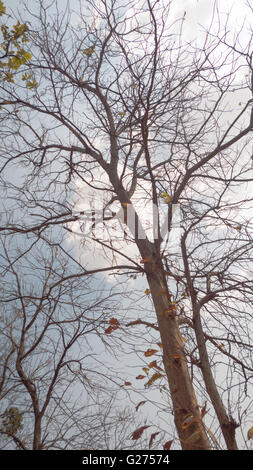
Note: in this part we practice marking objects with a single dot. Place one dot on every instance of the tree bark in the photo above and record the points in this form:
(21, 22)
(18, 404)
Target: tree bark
(228, 425)
(37, 433)
(187, 415)
(28, 384)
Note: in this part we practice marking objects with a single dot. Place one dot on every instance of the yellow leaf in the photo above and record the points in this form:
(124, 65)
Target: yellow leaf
(250, 433)
(89, 51)
(152, 379)
(31, 84)
(9, 77)
(154, 364)
(26, 76)
(2, 9)
(122, 114)
(27, 56)
(166, 197)
(146, 370)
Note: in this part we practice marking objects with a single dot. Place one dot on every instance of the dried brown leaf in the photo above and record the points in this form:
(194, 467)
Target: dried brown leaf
(150, 352)
(152, 437)
(138, 432)
(167, 445)
(140, 404)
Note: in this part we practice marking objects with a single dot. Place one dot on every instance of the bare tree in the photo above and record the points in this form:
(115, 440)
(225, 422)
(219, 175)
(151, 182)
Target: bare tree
(54, 391)
(113, 99)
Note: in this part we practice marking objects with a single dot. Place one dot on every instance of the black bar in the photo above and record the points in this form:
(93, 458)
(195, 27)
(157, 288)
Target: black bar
(116, 459)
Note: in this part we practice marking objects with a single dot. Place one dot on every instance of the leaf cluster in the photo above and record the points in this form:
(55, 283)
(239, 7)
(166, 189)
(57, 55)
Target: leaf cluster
(13, 45)
(12, 420)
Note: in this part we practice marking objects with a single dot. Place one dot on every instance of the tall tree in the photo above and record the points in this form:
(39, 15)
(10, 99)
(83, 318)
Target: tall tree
(114, 99)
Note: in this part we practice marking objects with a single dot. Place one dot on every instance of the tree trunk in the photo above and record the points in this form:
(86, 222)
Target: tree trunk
(37, 433)
(228, 426)
(187, 416)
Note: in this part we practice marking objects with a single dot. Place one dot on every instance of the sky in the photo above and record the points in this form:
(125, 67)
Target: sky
(197, 12)
(198, 17)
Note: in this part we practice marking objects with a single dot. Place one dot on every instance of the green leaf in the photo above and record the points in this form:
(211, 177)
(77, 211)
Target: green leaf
(2, 9)
(27, 56)
(31, 84)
